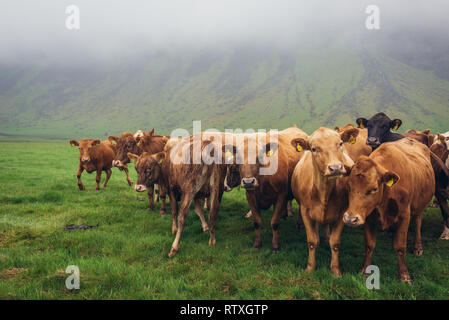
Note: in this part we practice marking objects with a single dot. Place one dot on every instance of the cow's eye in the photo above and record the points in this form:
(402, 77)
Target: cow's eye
(373, 190)
(313, 149)
(341, 143)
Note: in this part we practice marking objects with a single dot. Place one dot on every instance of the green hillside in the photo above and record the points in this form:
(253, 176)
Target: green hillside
(240, 88)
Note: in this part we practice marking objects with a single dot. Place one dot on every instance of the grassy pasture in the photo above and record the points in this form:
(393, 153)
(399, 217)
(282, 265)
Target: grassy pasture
(126, 256)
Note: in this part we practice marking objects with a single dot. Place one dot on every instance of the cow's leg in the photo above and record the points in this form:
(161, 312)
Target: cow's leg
(150, 198)
(279, 208)
(207, 204)
(334, 243)
(200, 213)
(78, 177)
(157, 191)
(174, 212)
(186, 199)
(370, 244)
(400, 246)
(163, 196)
(213, 216)
(98, 178)
(108, 175)
(313, 238)
(442, 201)
(257, 219)
(418, 250)
(125, 168)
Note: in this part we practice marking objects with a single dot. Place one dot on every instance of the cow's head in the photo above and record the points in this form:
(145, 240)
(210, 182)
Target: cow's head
(378, 127)
(440, 147)
(328, 154)
(85, 146)
(125, 143)
(366, 185)
(250, 154)
(148, 168)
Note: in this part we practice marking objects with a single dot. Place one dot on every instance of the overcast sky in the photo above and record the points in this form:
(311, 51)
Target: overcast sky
(115, 29)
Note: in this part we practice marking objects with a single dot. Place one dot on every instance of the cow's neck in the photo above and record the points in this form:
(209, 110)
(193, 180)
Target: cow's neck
(323, 187)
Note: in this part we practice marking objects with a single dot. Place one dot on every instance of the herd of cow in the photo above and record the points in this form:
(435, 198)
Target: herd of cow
(355, 176)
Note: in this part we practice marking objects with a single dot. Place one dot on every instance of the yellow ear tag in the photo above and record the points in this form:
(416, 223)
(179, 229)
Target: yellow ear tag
(396, 127)
(270, 153)
(362, 126)
(138, 143)
(160, 161)
(298, 147)
(228, 154)
(390, 183)
(352, 140)
(438, 141)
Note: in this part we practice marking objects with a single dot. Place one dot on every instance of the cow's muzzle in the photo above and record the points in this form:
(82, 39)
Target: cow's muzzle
(373, 141)
(85, 160)
(335, 170)
(249, 183)
(351, 219)
(117, 163)
(140, 188)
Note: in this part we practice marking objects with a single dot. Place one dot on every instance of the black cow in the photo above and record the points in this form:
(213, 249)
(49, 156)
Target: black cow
(379, 127)
(379, 131)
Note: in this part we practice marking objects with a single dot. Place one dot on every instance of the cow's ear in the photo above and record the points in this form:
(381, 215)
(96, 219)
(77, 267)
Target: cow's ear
(228, 151)
(300, 144)
(133, 157)
(74, 143)
(165, 139)
(95, 142)
(350, 135)
(390, 178)
(151, 132)
(426, 132)
(337, 128)
(159, 157)
(348, 169)
(395, 124)
(112, 139)
(362, 123)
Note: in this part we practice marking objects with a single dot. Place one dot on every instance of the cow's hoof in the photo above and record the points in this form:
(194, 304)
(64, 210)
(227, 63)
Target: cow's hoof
(174, 230)
(150, 208)
(336, 272)
(257, 245)
(418, 252)
(445, 234)
(275, 250)
(212, 242)
(130, 183)
(405, 277)
(97, 188)
(172, 252)
(82, 187)
(162, 212)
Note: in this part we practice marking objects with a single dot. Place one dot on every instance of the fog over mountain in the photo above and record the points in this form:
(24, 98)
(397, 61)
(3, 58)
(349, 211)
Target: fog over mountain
(162, 64)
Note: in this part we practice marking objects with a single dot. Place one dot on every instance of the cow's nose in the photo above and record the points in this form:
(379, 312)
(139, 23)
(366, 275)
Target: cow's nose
(140, 188)
(116, 163)
(351, 219)
(248, 182)
(85, 159)
(372, 141)
(335, 168)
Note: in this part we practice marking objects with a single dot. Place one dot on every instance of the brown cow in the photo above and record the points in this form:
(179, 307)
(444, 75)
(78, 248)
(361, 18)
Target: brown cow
(136, 144)
(320, 188)
(388, 188)
(185, 182)
(265, 190)
(440, 149)
(422, 136)
(95, 155)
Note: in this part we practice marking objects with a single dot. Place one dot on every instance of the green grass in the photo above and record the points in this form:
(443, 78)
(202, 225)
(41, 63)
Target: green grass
(126, 256)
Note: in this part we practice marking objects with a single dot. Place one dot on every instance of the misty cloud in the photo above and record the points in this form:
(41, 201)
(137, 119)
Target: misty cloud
(113, 30)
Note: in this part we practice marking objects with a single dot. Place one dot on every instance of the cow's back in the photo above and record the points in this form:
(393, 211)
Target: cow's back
(410, 160)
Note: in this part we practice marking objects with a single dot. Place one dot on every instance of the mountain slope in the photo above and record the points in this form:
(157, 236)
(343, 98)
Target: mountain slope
(240, 88)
